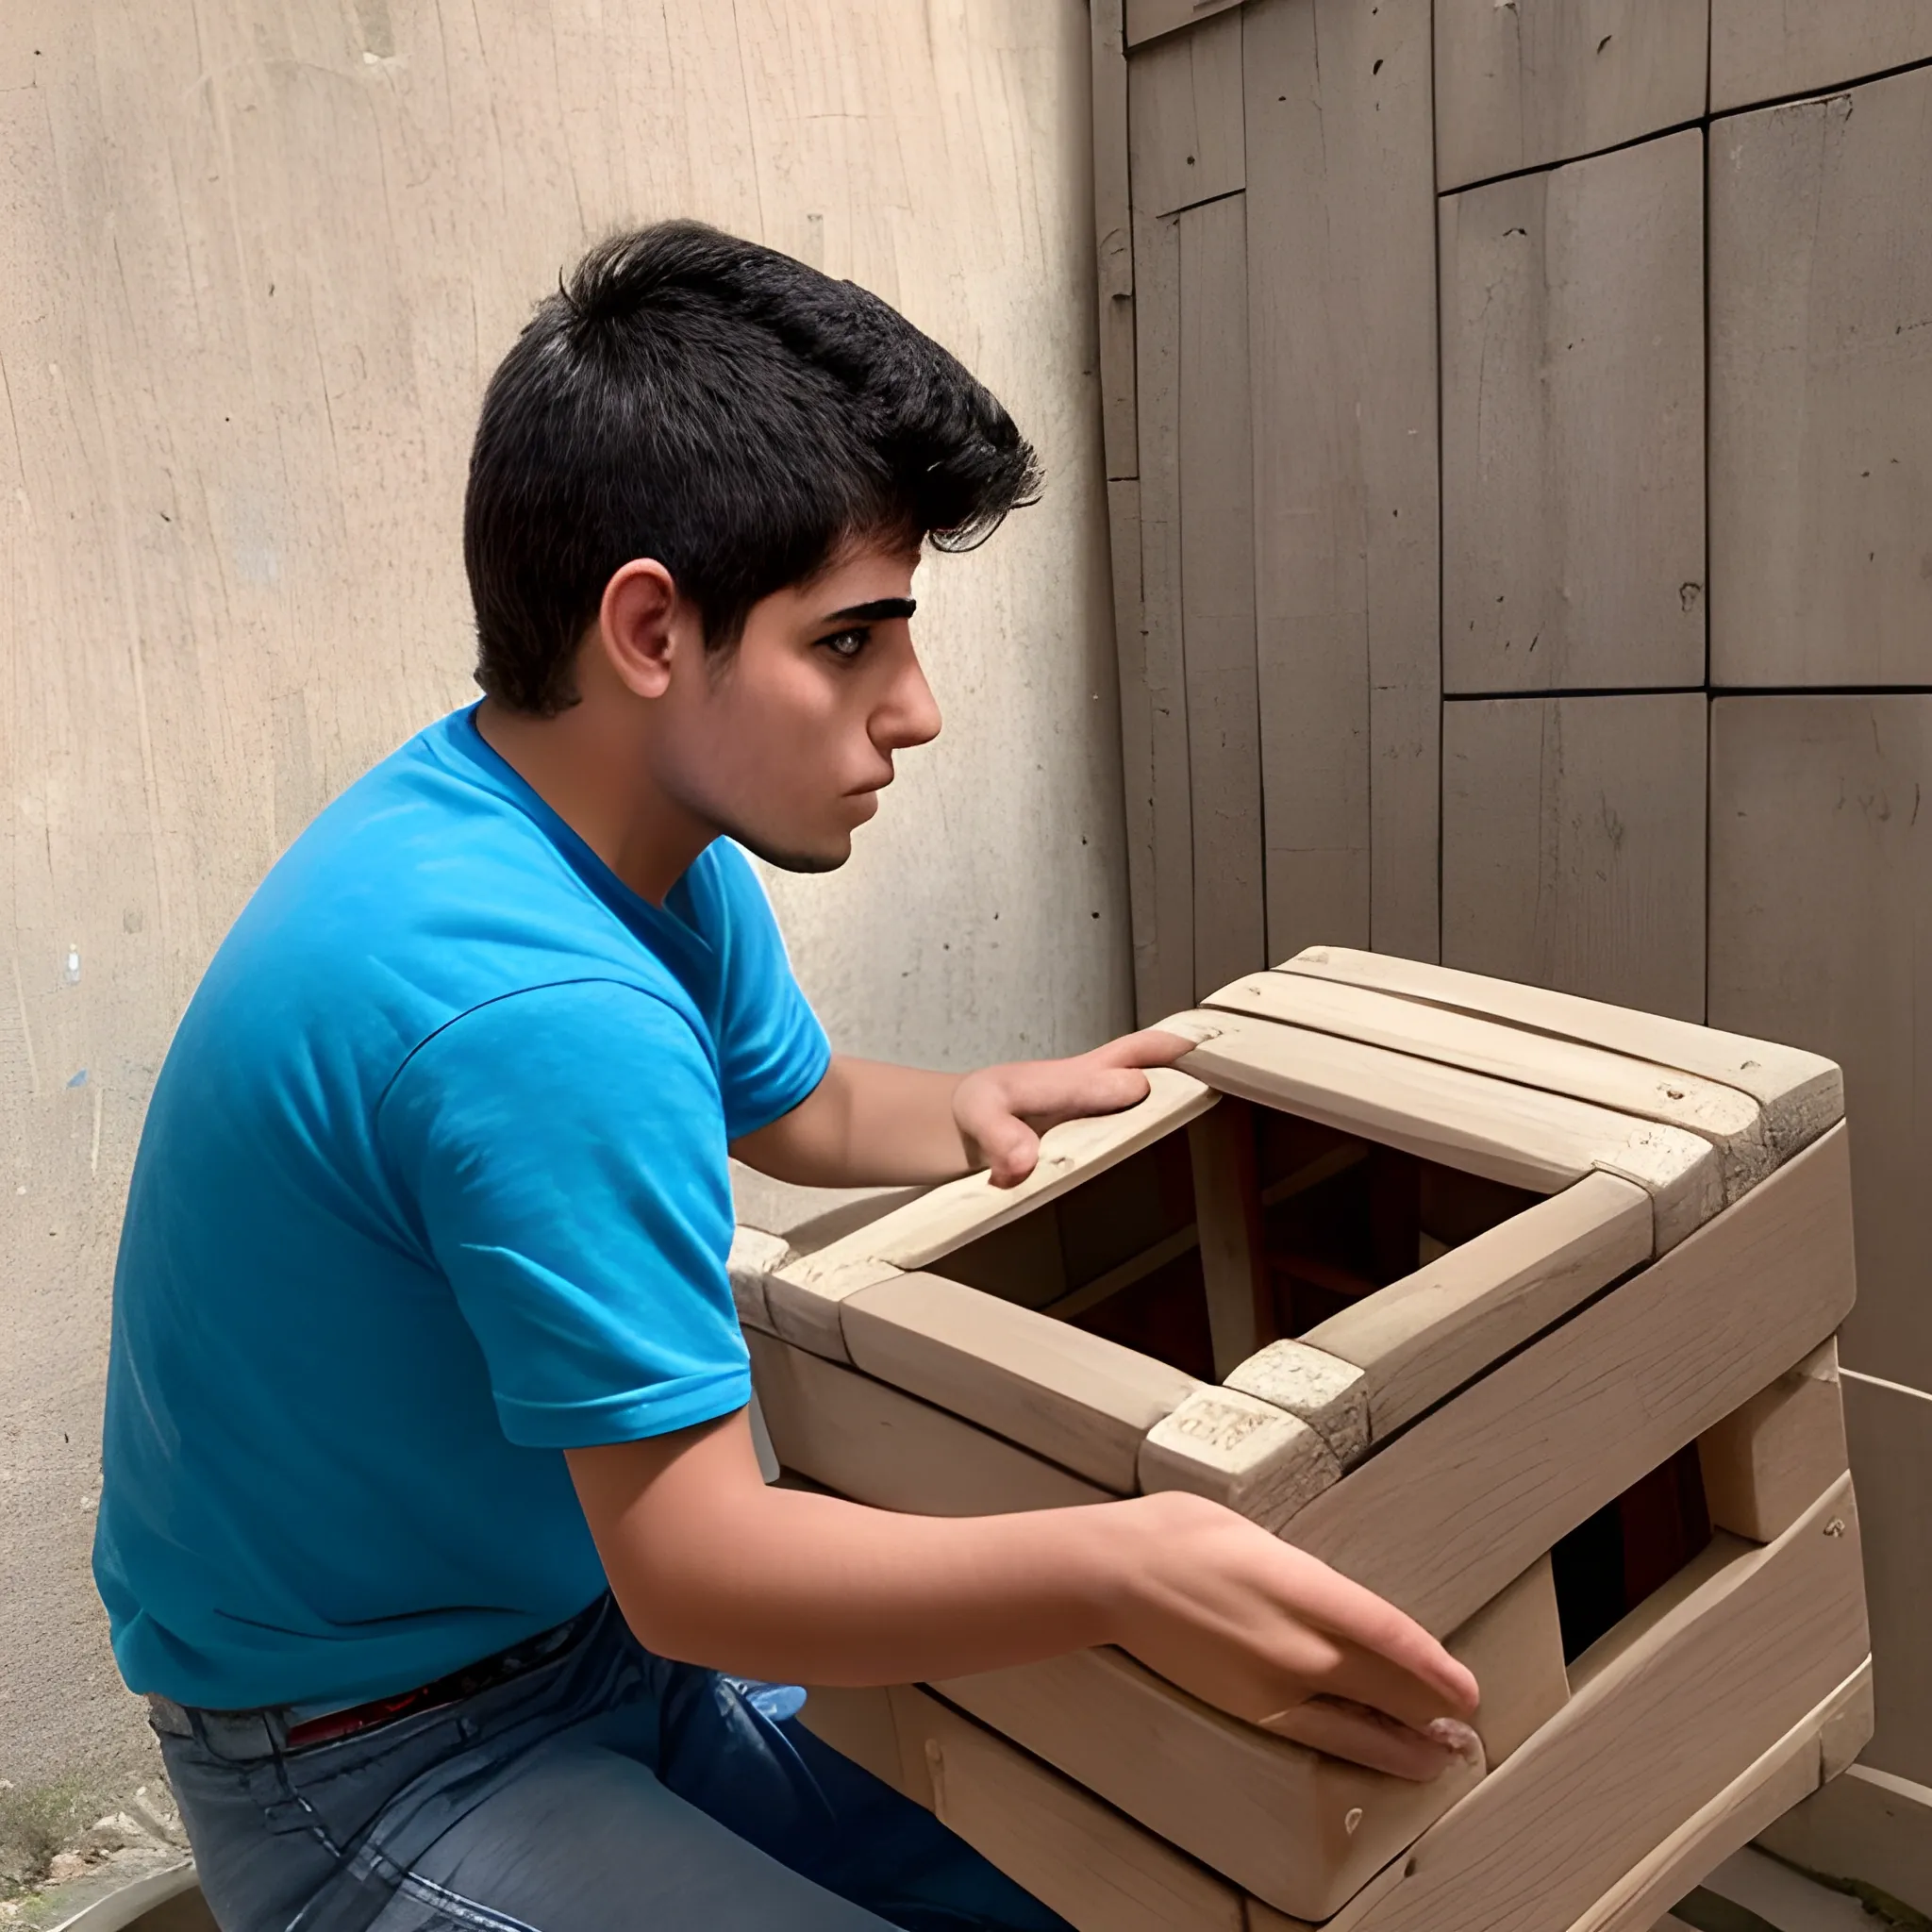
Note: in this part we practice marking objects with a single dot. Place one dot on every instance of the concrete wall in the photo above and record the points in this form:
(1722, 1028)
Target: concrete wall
(261, 256)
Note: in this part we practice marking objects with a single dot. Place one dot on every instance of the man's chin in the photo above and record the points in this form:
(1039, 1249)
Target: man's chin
(789, 859)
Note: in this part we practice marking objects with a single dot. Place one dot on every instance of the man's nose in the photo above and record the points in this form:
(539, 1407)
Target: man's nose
(910, 714)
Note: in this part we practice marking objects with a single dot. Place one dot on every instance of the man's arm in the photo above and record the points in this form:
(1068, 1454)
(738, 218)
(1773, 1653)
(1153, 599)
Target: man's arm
(868, 1123)
(711, 1567)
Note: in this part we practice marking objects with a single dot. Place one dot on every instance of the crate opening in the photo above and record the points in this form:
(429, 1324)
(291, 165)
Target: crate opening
(1337, 1217)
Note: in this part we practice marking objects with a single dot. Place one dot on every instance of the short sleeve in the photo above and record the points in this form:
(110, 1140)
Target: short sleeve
(772, 1050)
(563, 1152)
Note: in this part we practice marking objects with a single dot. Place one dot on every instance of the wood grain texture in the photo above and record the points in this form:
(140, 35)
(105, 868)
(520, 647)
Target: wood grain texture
(1890, 1429)
(1666, 1712)
(1424, 1336)
(1546, 80)
(1113, 246)
(1080, 1400)
(1444, 1516)
(1147, 20)
(1302, 1831)
(1820, 390)
(1079, 1857)
(1767, 1460)
(1760, 53)
(1817, 866)
(1217, 592)
(1160, 813)
(1228, 1214)
(1574, 845)
(1573, 426)
(878, 1445)
(1341, 287)
(1184, 116)
(1754, 1798)
(1801, 1093)
(1865, 1824)
(1514, 1645)
(1241, 1452)
(1730, 1120)
(1543, 1142)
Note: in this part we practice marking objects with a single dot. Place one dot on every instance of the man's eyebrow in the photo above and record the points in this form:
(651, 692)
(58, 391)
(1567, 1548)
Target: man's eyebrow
(880, 610)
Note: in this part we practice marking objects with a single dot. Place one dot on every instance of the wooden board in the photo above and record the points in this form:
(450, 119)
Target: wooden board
(1574, 845)
(1761, 53)
(1159, 815)
(1729, 1119)
(878, 1445)
(1113, 246)
(1545, 80)
(1184, 116)
(1890, 1430)
(1514, 1645)
(1820, 390)
(1342, 333)
(1076, 1398)
(803, 1297)
(1801, 1093)
(1573, 426)
(1075, 1855)
(1218, 591)
(1300, 1830)
(1147, 20)
(1865, 1825)
(1543, 1142)
(753, 1257)
(1241, 1452)
(1227, 1207)
(1444, 1516)
(1676, 1702)
(1754, 1798)
(1766, 1460)
(1820, 860)
(1424, 1336)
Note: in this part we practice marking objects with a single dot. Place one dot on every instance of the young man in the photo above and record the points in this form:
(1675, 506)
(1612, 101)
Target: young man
(431, 1512)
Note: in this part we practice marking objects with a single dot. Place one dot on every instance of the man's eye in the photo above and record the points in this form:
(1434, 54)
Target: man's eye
(847, 643)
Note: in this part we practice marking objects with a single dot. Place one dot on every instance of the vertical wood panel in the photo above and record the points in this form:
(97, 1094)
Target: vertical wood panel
(1574, 845)
(1148, 19)
(1164, 910)
(1820, 371)
(1184, 116)
(1113, 242)
(1573, 426)
(1545, 80)
(1341, 202)
(1218, 594)
(1821, 872)
(1760, 51)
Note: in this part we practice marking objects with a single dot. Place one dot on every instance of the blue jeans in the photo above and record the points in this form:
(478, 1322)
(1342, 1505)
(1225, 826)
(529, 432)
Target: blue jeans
(602, 1788)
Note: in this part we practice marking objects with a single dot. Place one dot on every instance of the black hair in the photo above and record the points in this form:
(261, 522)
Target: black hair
(738, 416)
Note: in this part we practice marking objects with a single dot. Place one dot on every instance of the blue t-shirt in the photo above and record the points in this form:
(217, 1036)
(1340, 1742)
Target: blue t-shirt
(433, 1186)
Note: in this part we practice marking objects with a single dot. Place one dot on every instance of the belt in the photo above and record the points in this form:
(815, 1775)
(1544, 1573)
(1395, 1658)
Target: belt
(267, 1731)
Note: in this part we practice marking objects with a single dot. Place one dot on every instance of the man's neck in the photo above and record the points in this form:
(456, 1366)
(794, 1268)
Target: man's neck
(595, 778)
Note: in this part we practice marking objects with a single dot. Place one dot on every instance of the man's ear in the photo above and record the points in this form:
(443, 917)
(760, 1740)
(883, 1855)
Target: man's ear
(638, 625)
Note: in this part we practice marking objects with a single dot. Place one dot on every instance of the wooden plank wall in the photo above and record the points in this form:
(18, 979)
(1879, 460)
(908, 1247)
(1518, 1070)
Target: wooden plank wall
(1622, 684)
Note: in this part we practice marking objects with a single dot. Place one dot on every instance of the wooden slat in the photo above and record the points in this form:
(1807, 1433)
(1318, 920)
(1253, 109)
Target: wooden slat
(1866, 1825)
(1077, 1398)
(1573, 426)
(1514, 1646)
(1218, 591)
(1574, 845)
(876, 1445)
(1075, 1855)
(753, 1255)
(1184, 116)
(1298, 1829)
(1157, 765)
(1147, 20)
(1760, 53)
(1227, 1211)
(1820, 861)
(1443, 1517)
(1729, 1119)
(1342, 293)
(1241, 1452)
(1546, 80)
(1422, 1338)
(1820, 390)
(1331, 1396)
(1113, 239)
(1668, 1709)
(1754, 1798)
(1543, 1142)
(1801, 1093)
(802, 1296)
(1766, 1460)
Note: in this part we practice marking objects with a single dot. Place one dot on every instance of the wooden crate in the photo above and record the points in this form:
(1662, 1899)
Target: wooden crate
(1516, 1308)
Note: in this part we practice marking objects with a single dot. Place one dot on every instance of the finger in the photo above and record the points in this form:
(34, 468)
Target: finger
(1369, 1737)
(1149, 1047)
(1368, 1677)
